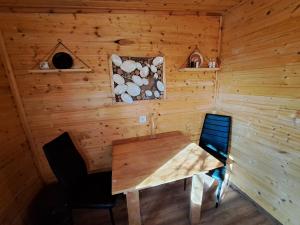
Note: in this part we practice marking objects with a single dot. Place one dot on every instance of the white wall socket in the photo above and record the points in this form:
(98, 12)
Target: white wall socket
(143, 119)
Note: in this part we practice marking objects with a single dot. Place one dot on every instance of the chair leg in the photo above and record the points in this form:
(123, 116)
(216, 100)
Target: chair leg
(184, 184)
(222, 187)
(111, 216)
(218, 193)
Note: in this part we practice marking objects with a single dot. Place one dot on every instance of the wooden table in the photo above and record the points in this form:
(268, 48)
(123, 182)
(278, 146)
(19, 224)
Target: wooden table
(143, 162)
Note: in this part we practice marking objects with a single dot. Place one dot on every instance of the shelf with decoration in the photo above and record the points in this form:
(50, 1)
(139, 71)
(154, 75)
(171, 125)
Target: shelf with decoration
(196, 62)
(61, 60)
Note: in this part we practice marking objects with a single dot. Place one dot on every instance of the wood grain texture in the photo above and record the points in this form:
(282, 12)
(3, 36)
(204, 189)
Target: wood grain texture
(81, 103)
(133, 208)
(196, 198)
(16, 94)
(19, 179)
(259, 87)
(155, 160)
(75, 6)
(169, 204)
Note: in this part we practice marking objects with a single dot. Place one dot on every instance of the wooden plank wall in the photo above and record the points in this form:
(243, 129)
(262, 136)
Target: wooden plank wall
(260, 88)
(81, 103)
(84, 6)
(19, 179)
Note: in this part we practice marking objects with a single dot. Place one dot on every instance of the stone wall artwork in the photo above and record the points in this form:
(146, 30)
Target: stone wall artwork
(137, 78)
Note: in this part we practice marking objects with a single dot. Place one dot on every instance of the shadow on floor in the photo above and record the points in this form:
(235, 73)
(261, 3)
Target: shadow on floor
(169, 205)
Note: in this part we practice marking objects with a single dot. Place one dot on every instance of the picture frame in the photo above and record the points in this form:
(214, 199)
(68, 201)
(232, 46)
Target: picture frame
(137, 78)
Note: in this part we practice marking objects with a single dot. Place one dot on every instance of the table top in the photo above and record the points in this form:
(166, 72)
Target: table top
(148, 161)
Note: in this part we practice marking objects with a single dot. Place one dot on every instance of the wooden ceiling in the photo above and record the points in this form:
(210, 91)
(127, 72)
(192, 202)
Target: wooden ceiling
(205, 7)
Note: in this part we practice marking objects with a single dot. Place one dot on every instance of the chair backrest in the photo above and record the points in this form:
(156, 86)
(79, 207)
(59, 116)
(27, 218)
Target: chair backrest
(65, 161)
(215, 135)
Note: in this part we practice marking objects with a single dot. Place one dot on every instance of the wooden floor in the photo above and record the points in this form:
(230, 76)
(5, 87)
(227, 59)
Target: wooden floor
(169, 205)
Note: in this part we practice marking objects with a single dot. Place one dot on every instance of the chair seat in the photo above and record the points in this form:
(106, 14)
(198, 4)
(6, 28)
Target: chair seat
(94, 192)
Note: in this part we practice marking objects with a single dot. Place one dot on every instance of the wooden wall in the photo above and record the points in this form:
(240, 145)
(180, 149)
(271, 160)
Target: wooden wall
(177, 6)
(19, 179)
(81, 103)
(260, 87)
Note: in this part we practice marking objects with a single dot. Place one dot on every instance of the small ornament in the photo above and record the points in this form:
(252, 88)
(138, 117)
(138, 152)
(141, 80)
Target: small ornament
(196, 59)
(44, 65)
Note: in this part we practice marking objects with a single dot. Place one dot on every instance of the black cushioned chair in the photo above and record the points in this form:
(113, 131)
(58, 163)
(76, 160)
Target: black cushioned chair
(214, 139)
(82, 190)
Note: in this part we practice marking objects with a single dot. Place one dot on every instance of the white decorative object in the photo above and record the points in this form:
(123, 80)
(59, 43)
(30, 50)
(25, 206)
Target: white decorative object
(144, 71)
(44, 65)
(118, 79)
(160, 86)
(145, 81)
(116, 60)
(120, 89)
(153, 69)
(138, 66)
(156, 94)
(137, 80)
(126, 98)
(128, 66)
(214, 63)
(158, 60)
(133, 89)
(148, 93)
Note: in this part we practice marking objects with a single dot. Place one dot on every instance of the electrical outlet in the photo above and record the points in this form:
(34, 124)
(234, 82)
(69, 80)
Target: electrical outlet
(143, 119)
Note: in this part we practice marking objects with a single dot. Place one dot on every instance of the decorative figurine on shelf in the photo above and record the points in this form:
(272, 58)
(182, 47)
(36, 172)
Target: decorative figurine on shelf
(62, 60)
(212, 63)
(44, 65)
(196, 59)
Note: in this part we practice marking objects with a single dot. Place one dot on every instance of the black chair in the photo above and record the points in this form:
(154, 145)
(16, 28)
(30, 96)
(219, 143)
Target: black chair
(82, 190)
(214, 139)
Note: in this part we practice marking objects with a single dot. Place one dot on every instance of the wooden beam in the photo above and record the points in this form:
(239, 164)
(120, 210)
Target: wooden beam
(133, 208)
(220, 36)
(84, 10)
(16, 95)
(216, 80)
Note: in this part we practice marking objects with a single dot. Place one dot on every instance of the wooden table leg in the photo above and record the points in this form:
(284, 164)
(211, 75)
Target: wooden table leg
(133, 208)
(196, 198)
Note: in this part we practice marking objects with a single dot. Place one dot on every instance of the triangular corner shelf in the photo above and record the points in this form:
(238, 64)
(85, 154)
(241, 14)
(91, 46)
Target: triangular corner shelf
(185, 68)
(83, 69)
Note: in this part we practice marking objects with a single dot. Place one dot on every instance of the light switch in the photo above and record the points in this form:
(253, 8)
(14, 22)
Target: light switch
(143, 119)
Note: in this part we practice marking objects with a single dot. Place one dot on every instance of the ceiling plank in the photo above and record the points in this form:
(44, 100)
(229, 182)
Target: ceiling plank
(201, 7)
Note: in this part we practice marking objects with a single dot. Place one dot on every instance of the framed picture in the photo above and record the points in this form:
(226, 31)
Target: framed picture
(137, 78)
